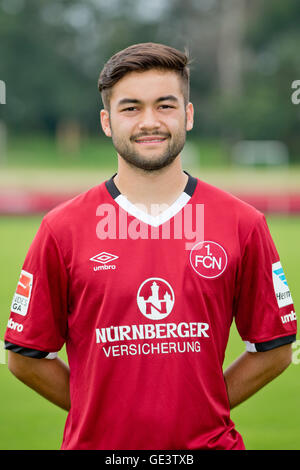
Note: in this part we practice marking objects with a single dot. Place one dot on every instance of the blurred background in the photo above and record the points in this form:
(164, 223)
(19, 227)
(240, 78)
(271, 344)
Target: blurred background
(245, 87)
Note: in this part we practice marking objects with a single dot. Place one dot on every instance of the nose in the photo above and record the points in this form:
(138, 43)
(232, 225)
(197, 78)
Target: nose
(149, 120)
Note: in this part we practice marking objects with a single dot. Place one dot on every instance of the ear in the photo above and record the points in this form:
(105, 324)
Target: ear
(189, 116)
(105, 123)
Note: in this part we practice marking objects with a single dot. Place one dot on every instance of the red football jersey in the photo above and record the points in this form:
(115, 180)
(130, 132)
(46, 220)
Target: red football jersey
(145, 304)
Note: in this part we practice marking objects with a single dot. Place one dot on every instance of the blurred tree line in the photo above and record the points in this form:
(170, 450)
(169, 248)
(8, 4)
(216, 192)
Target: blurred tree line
(245, 58)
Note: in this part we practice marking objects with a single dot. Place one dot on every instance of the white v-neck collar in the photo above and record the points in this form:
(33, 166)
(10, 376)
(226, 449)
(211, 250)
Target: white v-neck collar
(139, 214)
(149, 219)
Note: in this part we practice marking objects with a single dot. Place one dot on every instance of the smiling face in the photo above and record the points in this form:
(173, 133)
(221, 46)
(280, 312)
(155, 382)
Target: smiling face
(148, 119)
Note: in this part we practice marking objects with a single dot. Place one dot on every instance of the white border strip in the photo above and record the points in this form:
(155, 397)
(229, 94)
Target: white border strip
(149, 219)
(52, 355)
(250, 347)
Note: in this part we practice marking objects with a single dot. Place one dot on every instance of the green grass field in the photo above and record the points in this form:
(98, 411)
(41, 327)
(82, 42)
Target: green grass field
(269, 420)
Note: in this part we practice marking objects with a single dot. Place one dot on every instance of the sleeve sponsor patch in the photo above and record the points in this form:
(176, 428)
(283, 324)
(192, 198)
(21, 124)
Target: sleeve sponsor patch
(281, 287)
(22, 295)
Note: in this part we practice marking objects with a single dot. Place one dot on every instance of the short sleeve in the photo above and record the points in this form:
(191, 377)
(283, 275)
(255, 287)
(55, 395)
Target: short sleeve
(263, 308)
(38, 318)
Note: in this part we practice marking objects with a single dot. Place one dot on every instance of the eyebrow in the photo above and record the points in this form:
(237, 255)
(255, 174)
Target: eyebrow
(159, 100)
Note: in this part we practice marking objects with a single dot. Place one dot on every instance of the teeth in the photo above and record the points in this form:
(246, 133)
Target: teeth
(156, 140)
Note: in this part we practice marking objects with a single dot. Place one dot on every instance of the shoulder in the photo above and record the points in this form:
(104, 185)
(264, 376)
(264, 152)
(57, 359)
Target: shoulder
(223, 204)
(76, 210)
(227, 217)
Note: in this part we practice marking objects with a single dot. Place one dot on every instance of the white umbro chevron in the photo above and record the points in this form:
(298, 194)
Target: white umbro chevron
(103, 257)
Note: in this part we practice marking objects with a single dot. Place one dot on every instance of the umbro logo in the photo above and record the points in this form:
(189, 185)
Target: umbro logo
(104, 258)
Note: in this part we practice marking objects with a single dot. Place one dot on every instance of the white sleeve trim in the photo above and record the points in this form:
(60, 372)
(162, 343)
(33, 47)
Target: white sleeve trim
(250, 347)
(52, 355)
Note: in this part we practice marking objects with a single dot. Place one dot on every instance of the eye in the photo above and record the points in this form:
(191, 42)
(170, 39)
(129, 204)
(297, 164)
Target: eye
(131, 108)
(166, 106)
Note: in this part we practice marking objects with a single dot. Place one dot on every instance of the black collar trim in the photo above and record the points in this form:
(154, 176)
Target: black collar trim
(114, 191)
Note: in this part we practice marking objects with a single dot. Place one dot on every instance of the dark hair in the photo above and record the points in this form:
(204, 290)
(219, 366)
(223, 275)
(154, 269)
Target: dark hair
(142, 57)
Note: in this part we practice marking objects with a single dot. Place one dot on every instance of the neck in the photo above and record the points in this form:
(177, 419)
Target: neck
(151, 189)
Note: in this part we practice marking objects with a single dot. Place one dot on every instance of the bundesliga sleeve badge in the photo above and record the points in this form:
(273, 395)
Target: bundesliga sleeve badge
(281, 287)
(22, 295)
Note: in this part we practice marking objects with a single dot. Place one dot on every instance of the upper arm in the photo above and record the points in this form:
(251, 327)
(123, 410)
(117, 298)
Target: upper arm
(276, 360)
(19, 365)
(38, 320)
(263, 307)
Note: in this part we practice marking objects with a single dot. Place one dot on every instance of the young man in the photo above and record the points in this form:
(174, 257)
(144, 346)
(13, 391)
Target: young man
(142, 277)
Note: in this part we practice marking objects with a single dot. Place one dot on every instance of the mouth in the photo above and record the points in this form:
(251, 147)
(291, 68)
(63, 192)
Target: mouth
(150, 140)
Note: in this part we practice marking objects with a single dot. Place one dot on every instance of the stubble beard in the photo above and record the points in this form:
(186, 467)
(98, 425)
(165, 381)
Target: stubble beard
(127, 151)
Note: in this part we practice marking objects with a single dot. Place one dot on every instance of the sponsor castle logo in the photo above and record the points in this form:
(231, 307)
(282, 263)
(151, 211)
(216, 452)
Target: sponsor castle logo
(157, 305)
(155, 300)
